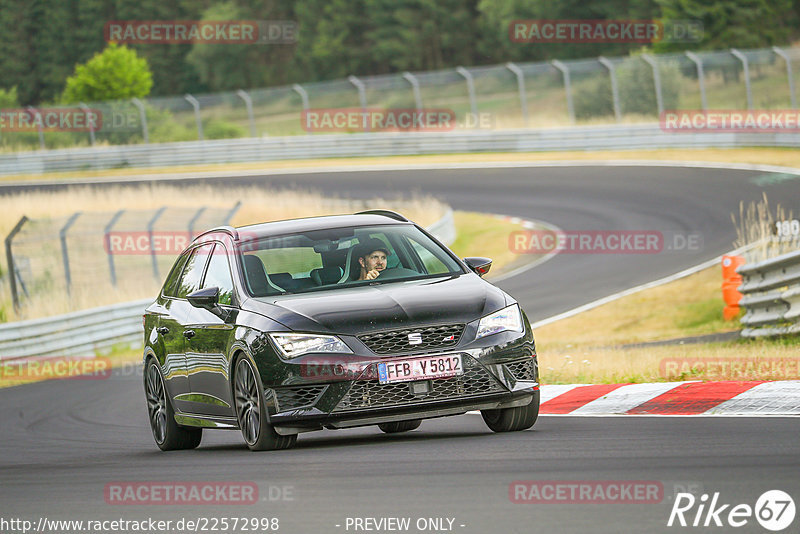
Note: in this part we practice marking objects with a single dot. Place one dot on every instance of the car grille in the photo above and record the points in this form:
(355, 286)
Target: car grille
(297, 397)
(523, 369)
(396, 341)
(371, 394)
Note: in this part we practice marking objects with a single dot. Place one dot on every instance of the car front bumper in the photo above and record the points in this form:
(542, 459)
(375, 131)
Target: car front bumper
(503, 380)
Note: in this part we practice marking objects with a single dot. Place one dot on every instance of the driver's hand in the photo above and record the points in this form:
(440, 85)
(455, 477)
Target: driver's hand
(373, 274)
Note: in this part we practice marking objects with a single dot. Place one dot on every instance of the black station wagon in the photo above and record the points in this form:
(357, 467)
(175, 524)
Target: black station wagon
(331, 322)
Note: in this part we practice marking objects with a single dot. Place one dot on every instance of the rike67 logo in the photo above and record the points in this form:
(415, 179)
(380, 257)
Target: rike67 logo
(774, 510)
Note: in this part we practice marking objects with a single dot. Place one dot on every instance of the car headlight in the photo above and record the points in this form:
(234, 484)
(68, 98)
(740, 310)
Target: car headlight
(294, 345)
(509, 318)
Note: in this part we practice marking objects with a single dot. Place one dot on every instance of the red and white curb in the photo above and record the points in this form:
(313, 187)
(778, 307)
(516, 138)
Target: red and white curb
(673, 398)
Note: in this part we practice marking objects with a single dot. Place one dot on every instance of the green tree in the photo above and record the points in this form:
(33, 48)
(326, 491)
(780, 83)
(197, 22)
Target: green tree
(115, 73)
(733, 23)
(8, 98)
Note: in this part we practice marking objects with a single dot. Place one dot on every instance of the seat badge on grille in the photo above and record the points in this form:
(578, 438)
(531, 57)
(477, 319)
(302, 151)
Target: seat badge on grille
(415, 338)
(449, 338)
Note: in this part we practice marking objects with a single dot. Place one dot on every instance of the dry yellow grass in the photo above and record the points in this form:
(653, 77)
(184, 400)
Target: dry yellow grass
(740, 360)
(487, 236)
(587, 348)
(686, 307)
(480, 233)
(767, 156)
(259, 204)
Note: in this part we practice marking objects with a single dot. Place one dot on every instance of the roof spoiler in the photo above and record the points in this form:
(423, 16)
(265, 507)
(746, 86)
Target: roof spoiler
(386, 213)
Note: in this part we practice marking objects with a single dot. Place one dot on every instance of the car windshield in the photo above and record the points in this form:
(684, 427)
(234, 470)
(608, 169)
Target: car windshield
(341, 257)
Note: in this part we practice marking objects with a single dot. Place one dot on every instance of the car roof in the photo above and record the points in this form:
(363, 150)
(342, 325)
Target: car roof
(306, 224)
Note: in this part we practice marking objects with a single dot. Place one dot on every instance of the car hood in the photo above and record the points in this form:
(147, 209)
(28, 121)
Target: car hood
(456, 299)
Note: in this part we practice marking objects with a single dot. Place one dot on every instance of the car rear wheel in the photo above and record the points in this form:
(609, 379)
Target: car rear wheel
(251, 413)
(513, 419)
(400, 426)
(169, 435)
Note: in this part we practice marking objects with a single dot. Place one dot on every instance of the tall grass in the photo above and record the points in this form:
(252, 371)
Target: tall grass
(756, 229)
(259, 204)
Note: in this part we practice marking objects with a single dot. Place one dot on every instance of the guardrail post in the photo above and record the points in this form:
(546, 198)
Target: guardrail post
(362, 97)
(656, 81)
(473, 104)
(143, 117)
(410, 78)
(612, 73)
(150, 225)
(248, 102)
(789, 74)
(196, 105)
(193, 220)
(523, 101)
(567, 87)
(86, 110)
(233, 211)
(110, 251)
(39, 126)
(746, 71)
(701, 78)
(62, 235)
(12, 269)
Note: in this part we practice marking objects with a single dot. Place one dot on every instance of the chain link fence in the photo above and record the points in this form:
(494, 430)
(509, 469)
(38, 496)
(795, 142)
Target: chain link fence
(86, 253)
(556, 93)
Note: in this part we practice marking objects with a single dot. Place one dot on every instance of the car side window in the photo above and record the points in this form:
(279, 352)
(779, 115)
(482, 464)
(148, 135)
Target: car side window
(218, 274)
(193, 272)
(171, 285)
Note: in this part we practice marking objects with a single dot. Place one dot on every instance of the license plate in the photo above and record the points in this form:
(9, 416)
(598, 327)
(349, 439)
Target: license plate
(420, 369)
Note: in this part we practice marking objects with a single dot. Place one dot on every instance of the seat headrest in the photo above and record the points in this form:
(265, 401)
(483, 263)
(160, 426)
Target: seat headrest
(256, 275)
(281, 279)
(326, 275)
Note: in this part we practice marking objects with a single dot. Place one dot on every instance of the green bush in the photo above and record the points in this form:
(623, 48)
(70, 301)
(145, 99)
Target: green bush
(218, 129)
(593, 97)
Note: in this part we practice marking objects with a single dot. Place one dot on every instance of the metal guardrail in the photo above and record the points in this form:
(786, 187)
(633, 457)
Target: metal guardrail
(76, 333)
(619, 137)
(771, 290)
(83, 332)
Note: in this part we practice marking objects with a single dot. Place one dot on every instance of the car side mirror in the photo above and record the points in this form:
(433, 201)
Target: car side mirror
(207, 298)
(480, 265)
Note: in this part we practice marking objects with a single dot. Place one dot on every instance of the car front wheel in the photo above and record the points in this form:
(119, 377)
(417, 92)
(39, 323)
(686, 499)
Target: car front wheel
(513, 419)
(251, 413)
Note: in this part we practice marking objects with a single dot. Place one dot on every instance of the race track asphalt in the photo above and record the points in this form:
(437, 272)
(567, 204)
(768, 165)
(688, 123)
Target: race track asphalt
(64, 441)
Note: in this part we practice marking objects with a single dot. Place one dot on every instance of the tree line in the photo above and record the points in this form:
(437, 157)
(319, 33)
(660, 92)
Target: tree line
(42, 41)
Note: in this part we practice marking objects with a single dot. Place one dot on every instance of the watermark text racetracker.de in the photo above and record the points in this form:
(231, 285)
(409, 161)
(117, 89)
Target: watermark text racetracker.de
(731, 120)
(604, 31)
(602, 241)
(390, 120)
(787, 368)
(586, 492)
(50, 120)
(201, 31)
(54, 367)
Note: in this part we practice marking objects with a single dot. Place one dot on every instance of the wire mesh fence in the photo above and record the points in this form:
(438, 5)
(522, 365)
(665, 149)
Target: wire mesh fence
(86, 253)
(542, 94)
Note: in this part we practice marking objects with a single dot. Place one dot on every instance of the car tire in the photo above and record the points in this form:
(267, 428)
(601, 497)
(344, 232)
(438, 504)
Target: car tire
(513, 419)
(167, 433)
(400, 426)
(248, 398)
